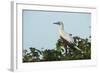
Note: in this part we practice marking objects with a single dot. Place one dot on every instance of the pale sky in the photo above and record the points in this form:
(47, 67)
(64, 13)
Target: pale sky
(40, 32)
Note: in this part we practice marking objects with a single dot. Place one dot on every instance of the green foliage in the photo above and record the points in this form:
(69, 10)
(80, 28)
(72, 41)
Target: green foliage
(59, 53)
(51, 55)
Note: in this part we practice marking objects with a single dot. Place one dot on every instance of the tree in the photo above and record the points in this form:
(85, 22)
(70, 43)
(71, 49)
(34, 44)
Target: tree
(35, 54)
(26, 56)
(61, 52)
(51, 55)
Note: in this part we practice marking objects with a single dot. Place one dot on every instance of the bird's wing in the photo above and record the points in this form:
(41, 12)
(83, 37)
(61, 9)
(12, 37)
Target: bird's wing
(66, 36)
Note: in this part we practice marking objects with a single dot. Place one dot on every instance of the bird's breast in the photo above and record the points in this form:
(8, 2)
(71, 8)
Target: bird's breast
(66, 36)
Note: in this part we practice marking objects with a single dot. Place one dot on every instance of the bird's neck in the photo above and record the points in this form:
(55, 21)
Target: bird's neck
(62, 27)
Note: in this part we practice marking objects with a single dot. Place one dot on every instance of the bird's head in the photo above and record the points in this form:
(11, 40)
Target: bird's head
(58, 23)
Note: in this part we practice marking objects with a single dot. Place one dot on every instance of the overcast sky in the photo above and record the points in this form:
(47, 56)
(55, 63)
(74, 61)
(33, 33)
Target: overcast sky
(40, 32)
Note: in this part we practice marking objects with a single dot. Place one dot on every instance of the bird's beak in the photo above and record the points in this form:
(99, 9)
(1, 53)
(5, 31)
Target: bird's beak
(56, 23)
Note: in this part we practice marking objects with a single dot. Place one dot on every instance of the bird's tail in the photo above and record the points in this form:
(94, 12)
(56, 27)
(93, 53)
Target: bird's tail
(79, 49)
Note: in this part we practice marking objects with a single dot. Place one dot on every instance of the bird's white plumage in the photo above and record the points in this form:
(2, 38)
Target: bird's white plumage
(66, 36)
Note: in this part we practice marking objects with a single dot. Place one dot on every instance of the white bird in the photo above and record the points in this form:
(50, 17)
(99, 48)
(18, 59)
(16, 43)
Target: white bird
(66, 37)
